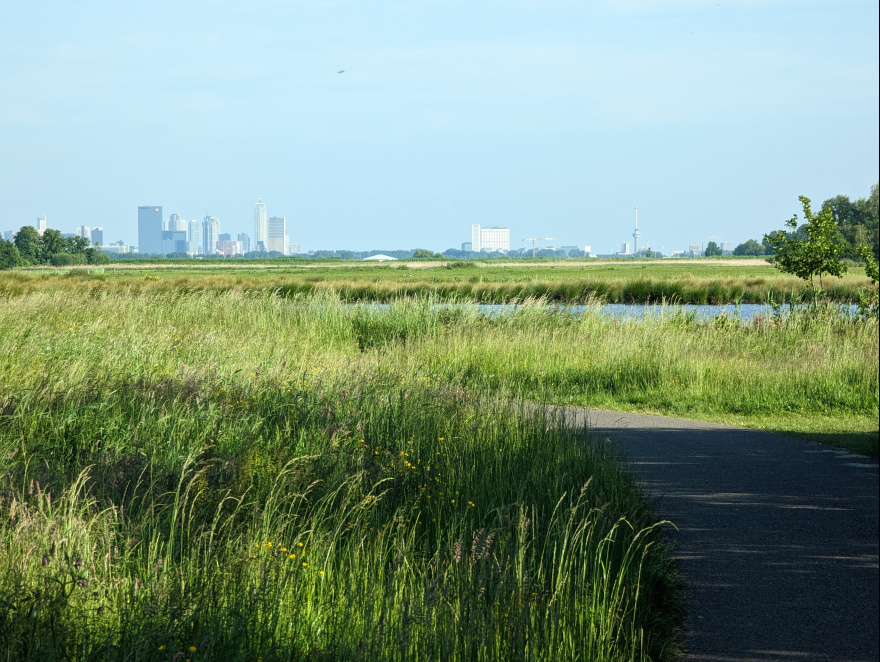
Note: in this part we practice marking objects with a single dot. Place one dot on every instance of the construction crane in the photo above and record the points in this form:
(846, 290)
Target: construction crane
(534, 239)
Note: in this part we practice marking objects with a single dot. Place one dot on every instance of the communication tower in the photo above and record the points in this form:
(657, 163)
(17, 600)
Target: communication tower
(636, 234)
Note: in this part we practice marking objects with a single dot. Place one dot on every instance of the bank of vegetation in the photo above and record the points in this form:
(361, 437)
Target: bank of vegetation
(384, 285)
(244, 477)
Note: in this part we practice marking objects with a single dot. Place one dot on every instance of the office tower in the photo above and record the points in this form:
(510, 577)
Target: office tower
(149, 230)
(224, 236)
(9, 235)
(195, 237)
(176, 224)
(41, 224)
(475, 238)
(174, 241)
(276, 235)
(292, 249)
(488, 240)
(97, 236)
(245, 242)
(210, 235)
(261, 231)
(695, 250)
(467, 247)
(624, 248)
(84, 231)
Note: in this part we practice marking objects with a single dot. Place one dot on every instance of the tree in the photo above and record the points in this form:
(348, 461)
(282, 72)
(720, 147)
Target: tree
(29, 244)
(713, 250)
(53, 244)
(9, 255)
(818, 254)
(750, 247)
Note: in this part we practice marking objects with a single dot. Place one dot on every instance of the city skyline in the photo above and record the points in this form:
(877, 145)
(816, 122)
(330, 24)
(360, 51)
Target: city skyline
(551, 119)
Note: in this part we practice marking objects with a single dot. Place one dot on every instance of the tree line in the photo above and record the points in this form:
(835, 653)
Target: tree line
(29, 248)
(855, 225)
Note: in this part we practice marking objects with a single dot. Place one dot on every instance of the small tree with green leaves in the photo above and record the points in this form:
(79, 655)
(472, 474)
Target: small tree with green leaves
(870, 304)
(816, 255)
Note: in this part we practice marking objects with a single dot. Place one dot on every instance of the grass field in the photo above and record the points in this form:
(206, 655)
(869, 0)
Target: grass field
(248, 477)
(290, 477)
(677, 281)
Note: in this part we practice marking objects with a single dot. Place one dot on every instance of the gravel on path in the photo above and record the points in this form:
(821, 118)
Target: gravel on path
(777, 538)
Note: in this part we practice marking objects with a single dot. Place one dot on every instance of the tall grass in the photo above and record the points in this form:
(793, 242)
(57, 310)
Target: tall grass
(241, 476)
(391, 285)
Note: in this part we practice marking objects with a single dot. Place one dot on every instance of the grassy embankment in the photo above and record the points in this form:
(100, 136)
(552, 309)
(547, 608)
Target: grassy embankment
(566, 280)
(250, 477)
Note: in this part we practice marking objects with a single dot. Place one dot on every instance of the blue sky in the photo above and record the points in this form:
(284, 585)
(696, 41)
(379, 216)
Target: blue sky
(553, 118)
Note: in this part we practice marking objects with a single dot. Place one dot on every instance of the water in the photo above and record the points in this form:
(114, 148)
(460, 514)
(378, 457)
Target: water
(745, 312)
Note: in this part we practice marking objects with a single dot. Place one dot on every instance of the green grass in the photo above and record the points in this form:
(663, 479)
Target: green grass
(153, 444)
(691, 281)
(249, 476)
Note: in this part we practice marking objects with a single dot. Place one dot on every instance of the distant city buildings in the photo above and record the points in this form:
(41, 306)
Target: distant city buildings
(244, 242)
(195, 237)
(261, 231)
(210, 235)
(488, 240)
(695, 250)
(41, 224)
(150, 230)
(276, 235)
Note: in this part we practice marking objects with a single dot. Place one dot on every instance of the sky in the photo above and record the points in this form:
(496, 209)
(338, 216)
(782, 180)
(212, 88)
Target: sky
(554, 118)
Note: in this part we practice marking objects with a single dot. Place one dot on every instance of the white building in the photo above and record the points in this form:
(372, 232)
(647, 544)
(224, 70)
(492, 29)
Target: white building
(488, 240)
(210, 235)
(276, 235)
(41, 224)
(261, 231)
(195, 237)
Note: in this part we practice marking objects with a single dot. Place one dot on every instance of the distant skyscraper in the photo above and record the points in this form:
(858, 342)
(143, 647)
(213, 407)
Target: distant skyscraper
(97, 236)
(9, 235)
(195, 237)
(261, 230)
(245, 241)
(210, 235)
(41, 224)
(149, 230)
(276, 235)
(84, 231)
(177, 224)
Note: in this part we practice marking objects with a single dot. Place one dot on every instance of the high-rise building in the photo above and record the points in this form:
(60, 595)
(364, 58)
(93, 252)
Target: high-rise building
(176, 224)
(41, 224)
(276, 235)
(624, 248)
(489, 240)
(149, 230)
(695, 250)
(244, 241)
(210, 235)
(97, 236)
(292, 249)
(467, 246)
(84, 231)
(261, 230)
(195, 237)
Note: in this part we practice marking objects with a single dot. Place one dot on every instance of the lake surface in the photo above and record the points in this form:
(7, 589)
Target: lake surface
(744, 312)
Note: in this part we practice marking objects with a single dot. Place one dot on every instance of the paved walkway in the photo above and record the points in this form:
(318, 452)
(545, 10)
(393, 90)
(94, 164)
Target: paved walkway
(777, 538)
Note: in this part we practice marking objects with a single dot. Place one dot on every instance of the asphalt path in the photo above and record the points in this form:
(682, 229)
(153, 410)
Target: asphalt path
(777, 538)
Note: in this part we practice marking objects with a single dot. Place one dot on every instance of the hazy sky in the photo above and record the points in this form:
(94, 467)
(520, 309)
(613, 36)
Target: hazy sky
(553, 117)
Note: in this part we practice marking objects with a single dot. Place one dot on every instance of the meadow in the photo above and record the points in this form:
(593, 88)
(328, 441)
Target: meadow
(258, 474)
(573, 280)
(237, 476)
